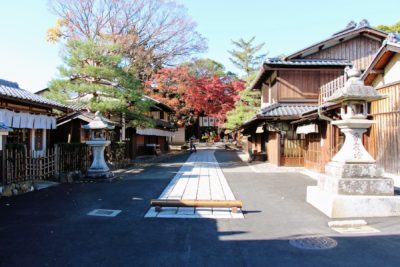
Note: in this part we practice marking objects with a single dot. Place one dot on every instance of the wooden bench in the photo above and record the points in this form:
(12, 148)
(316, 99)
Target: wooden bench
(233, 204)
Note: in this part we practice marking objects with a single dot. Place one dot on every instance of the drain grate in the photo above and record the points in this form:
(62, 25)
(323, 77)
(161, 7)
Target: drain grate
(104, 212)
(313, 242)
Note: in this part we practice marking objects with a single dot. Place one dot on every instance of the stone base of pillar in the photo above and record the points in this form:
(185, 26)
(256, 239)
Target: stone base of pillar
(356, 186)
(349, 206)
(348, 170)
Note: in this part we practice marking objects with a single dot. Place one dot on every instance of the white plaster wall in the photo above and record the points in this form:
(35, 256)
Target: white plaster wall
(179, 137)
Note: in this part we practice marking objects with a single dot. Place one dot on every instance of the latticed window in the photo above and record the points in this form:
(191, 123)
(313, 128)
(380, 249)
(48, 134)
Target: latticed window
(38, 139)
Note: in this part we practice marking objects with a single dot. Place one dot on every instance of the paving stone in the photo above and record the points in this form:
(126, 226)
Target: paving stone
(200, 178)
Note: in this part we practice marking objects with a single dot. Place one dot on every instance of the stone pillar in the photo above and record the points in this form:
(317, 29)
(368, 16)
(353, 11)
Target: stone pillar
(98, 142)
(99, 168)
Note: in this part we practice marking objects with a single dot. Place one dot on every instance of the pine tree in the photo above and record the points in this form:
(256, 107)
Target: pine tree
(245, 57)
(95, 73)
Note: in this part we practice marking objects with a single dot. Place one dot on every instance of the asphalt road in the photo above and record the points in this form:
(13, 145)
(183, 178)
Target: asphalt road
(51, 227)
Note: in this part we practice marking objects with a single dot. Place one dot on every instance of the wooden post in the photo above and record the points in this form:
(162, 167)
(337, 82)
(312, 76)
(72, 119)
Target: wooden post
(56, 159)
(233, 204)
(3, 159)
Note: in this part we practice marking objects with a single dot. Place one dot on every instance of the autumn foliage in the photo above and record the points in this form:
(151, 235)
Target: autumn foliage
(191, 95)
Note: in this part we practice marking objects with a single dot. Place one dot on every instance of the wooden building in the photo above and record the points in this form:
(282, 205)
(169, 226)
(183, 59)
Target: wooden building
(31, 117)
(384, 74)
(359, 45)
(143, 141)
(139, 141)
(294, 118)
(29, 120)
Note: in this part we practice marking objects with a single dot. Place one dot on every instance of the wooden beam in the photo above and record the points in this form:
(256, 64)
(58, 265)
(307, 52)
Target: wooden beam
(377, 71)
(159, 203)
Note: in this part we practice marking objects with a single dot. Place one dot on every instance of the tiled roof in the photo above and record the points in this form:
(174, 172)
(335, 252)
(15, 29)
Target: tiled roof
(351, 30)
(379, 62)
(158, 103)
(308, 62)
(12, 90)
(281, 110)
(82, 115)
(77, 106)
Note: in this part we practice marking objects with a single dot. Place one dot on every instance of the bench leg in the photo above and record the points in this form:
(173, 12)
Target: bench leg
(234, 209)
(158, 208)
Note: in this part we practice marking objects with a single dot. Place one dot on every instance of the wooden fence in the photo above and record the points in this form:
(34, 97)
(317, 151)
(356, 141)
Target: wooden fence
(22, 165)
(72, 157)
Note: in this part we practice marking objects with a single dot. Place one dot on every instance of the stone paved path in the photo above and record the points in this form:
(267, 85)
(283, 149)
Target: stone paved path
(199, 178)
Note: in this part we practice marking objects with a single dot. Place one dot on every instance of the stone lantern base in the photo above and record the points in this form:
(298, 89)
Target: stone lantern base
(354, 190)
(349, 206)
(99, 170)
(99, 175)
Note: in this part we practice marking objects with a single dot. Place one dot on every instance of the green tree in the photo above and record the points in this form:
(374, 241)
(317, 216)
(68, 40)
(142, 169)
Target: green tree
(205, 67)
(245, 55)
(94, 73)
(390, 28)
(245, 108)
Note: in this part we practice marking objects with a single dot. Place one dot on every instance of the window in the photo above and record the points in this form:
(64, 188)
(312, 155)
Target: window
(38, 139)
(18, 136)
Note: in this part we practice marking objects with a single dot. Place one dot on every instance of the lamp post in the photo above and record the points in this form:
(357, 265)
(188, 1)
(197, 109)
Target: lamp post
(98, 127)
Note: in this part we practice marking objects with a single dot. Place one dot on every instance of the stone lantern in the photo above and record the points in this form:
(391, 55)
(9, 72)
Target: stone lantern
(354, 98)
(98, 142)
(352, 185)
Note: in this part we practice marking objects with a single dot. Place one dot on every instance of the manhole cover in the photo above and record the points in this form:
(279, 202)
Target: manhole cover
(313, 242)
(104, 212)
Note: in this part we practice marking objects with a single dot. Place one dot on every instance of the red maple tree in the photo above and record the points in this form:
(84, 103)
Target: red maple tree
(213, 96)
(192, 95)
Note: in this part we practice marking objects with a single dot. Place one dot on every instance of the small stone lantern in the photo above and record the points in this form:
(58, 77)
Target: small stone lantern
(98, 142)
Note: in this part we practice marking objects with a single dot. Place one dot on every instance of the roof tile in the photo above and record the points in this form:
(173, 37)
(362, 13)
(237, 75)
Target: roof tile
(308, 62)
(12, 89)
(280, 109)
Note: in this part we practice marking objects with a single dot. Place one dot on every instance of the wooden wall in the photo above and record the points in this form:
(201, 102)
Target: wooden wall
(140, 149)
(272, 148)
(274, 92)
(319, 147)
(264, 93)
(68, 133)
(360, 51)
(385, 134)
(24, 107)
(312, 153)
(304, 84)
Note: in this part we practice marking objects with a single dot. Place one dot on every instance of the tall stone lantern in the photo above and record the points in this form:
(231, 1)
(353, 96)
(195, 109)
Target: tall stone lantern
(98, 127)
(352, 185)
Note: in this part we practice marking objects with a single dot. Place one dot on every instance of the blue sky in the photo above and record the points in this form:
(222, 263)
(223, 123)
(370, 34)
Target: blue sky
(285, 26)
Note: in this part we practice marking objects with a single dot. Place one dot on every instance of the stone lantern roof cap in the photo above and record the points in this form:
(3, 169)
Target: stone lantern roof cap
(98, 123)
(354, 89)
